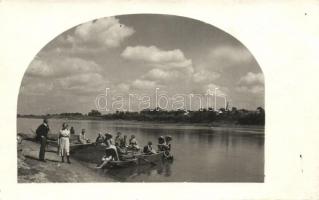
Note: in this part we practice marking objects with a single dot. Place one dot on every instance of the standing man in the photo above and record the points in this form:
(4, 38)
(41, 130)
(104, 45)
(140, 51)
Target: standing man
(42, 134)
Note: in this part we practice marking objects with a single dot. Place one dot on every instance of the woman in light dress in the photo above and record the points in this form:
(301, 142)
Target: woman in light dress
(64, 143)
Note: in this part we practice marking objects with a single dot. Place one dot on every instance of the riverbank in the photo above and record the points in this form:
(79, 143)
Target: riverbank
(31, 170)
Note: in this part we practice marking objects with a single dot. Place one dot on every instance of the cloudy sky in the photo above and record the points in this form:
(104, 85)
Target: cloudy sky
(134, 54)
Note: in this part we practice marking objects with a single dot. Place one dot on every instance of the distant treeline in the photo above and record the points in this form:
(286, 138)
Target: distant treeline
(233, 116)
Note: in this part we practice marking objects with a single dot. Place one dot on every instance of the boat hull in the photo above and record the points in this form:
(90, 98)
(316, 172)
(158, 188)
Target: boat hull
(90, 153)
(137, 159)
(150, 159)
(122, 163)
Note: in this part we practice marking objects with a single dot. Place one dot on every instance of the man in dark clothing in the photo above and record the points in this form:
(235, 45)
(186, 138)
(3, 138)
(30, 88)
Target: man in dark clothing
(42, 134)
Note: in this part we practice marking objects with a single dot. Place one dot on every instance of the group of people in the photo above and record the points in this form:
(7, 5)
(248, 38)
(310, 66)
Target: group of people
(115, 150)
(119, 148)
(64, 137)
(119, 141)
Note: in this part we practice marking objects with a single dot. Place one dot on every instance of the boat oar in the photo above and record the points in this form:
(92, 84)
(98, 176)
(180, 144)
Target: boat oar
(153, 163)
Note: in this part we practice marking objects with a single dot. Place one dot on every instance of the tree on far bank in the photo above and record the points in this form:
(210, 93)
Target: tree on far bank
(94, 113)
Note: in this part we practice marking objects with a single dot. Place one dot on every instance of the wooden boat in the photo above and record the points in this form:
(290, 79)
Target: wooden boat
(137, 159)
(75, 147)
(91, 153)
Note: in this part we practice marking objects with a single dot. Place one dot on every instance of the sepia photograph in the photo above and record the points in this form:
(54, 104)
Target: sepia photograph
(142, 98)
(139, 99)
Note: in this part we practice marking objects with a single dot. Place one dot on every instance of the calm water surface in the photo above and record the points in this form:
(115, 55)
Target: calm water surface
(201, 154)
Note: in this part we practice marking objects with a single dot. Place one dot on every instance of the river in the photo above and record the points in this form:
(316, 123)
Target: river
(201, 153)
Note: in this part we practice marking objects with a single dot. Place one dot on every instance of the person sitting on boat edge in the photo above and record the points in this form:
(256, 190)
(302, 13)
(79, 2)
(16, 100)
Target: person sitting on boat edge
(83, 139)
(123, 143)
(148, 149)
(133, 145)
(122, 147)
(118, 139)
(100, 139)
(110, 151)
(108, 139)
(119, 144)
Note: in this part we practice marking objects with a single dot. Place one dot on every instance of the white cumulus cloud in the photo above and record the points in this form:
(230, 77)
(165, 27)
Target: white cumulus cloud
(255, 89)
(81, 79)
(82, 83)
(211, 88)
(39, 68)
(252, 78)
(64, 66)
(161, 75)
(123, 87)
(157, 57)
(143, 84)
(205, 76)
(231, 54)
(37, 88)
(62, 76)
(107, 32)
(167, 66)
(251, 83)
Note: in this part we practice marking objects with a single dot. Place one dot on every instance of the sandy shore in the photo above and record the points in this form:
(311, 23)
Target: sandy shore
(31, 170)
